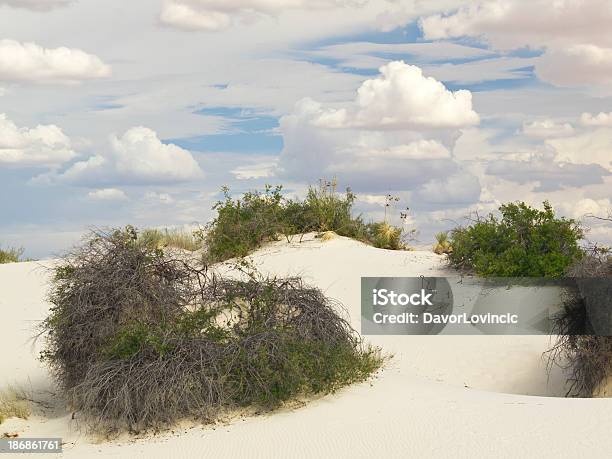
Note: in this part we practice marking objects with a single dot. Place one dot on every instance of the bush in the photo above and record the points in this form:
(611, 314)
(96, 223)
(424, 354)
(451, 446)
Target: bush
(585, 355)
(243, 225)
(524, 242)
(10, 255)
(140, 340)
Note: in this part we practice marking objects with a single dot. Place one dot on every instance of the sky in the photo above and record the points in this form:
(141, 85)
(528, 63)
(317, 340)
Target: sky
(115, 112)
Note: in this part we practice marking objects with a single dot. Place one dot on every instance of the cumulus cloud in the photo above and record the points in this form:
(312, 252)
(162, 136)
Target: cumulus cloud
(544, 129)
(600, 120)
(396, 135)
(107, 194)
(138, 156)
(36, 5)
(400, 98)
(44, 145)
(30, 62)
(215, 15)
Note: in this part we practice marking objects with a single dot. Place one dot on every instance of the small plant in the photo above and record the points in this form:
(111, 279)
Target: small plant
(14, 403)
(443, 245)
(138, 339)
(176, 239)
(388, 200)
(524, 242)
(11, 255)
(384, 236)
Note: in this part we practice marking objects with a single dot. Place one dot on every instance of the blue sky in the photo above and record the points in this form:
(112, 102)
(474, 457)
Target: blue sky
(454, 106)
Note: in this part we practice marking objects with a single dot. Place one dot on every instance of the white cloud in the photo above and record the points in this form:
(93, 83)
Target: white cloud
(254, 171)
(163, 198)
(420, 149)
(574, 34)
(460, 188)
(576, 65)
(509, 24)
(215, 15)
(544, 129)
(137, 156)
(600, 120)
(32, 63)
(400, 98)
(107, 194)
(587, 206)
(592, 147)
(44, 145)
(36, 5)
(397, 135)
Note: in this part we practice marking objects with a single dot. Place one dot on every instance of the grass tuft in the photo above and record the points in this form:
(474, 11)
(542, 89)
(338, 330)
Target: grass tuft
(11, 255)
(14, 403)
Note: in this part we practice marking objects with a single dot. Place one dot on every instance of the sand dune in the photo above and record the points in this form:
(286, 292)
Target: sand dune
(440, 396)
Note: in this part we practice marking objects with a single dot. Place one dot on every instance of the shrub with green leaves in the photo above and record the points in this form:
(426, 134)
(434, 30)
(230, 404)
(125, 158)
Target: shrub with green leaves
(242, 225)
(138, 339)
(522, 242)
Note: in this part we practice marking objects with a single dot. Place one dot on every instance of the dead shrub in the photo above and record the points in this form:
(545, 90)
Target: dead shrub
(140, 340)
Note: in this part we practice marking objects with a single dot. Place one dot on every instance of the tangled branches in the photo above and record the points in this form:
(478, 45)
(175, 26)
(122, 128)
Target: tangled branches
(584, 326)
(140, 340)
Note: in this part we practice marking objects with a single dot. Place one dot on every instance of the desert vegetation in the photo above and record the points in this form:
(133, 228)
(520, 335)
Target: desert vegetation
(11, 255)
(442, 245)
(171, 238)
(138, 339)
(584, 345)
(14, 403)
(244, 224)
(522, 242)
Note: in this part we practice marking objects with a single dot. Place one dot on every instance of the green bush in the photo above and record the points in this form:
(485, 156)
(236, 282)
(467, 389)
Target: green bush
(11, 255)
(242, 225)
(524, 242)
(138, 339)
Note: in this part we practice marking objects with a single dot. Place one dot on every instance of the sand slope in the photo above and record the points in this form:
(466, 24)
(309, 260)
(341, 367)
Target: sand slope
(440, 396)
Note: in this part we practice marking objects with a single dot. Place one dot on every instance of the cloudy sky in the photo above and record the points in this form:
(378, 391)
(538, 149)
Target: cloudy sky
(138, 111)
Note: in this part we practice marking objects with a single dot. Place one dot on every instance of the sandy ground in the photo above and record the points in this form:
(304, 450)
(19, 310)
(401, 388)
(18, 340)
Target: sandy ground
(440, 396)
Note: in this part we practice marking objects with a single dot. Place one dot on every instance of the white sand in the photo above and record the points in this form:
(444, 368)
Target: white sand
(440, 396)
